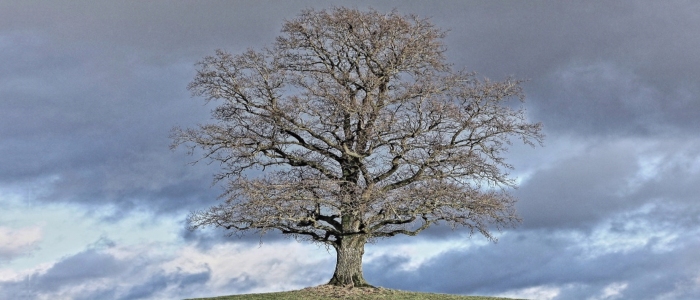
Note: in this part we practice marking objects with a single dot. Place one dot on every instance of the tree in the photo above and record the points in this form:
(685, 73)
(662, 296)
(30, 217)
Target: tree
(353, 127)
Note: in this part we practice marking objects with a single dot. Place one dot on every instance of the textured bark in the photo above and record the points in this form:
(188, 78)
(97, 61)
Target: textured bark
(348, 268)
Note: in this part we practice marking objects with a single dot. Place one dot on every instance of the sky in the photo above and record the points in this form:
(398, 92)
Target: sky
(93, 202)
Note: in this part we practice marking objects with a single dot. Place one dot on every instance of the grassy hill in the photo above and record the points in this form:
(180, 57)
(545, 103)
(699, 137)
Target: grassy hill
(325, 292)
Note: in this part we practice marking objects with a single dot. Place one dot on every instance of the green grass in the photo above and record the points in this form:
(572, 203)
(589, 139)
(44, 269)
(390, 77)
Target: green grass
(329, 293)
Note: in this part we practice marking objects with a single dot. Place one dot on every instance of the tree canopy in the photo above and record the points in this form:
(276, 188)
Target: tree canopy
(351, 127)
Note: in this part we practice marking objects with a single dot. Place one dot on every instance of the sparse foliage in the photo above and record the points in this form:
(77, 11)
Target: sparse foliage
(352, 127)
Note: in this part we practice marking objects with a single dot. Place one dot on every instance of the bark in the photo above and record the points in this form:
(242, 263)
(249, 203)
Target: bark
(348, 267)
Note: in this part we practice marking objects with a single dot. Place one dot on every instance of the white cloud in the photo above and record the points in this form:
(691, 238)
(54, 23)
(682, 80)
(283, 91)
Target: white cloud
(270, 266)
(537, 292)
(611, 291)
(54, 231)
(144, 270)
(87, 114)
(15, 242)
(631, 231)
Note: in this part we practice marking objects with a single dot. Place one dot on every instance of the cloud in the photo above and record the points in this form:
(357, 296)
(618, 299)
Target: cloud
(610, 219)
(86, 128)
(18, 242)
(537, 292)
(87, 265)
(608, 176)
(592, 68)
(89, 92)
(164, 32)
(606, 98)
(246, 268)
(161, 281)
(106, 103)
(531, 40)
(578, 191)
(108, 269)
(556, 265)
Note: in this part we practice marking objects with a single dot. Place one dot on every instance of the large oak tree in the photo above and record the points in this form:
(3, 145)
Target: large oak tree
(352, 127)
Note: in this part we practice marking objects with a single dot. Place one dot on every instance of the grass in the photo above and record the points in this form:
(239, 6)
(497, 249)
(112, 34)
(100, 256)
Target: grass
(326, 292)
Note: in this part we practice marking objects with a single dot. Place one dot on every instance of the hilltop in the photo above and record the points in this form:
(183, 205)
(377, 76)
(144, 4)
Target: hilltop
(327, 292)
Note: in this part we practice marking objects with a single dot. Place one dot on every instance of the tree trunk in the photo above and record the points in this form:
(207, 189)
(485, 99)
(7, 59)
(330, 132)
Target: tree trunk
(348, 267)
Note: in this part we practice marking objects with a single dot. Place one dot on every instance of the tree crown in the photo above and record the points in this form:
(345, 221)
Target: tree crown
(356, 125)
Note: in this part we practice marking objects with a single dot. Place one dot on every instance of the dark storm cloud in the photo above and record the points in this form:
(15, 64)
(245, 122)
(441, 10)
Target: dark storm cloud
(536, 258)
(95, 129)
(89, 264)
(611, 176)
(579, 191)
(633, 190)
(126, 278)
(166, 30)
(535, 37)
(161, 281)
(599, 98)
(594, 67)
(89, 91)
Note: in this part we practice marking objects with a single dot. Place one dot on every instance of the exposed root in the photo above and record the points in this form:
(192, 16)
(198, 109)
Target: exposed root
(335, 291)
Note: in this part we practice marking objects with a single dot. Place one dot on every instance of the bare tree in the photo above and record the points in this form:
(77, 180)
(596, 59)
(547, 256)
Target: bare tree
(356, 129)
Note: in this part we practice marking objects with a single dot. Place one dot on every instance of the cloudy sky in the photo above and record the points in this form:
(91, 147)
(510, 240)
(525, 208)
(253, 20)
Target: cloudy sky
(93, 202)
